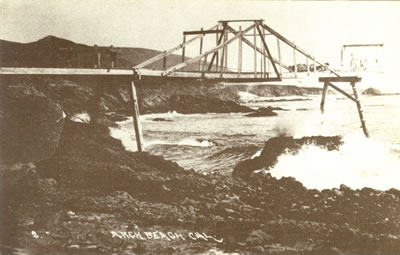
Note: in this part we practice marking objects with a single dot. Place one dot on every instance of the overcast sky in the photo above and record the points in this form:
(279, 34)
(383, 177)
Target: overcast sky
(319, 27)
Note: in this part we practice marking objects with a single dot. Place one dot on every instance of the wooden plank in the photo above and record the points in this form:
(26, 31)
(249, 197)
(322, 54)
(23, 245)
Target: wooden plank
(190, 61)
(20, 71)
(295, 64)
(216, 54)
(222, 64)
(269, 54)
(340, 79)
(183, 50)
(279, 55)
(169, 52)
(324, 92)
(245, 40)
(315, 67)
(264, 56)
(360, 111)
(242, 20)
(364, 45)
(226, 51)
(240, 54)
(201, 49)
(342, 92)
(203, 70)
(203, 32)
(135, 115)
(255, 52)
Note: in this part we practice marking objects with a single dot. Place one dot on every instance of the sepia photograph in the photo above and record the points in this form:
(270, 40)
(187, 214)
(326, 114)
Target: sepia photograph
(212, 127)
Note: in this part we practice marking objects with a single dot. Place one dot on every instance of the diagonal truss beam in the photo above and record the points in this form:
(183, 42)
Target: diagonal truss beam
(169, 52)
(258, 49)
(190, 61)
(215, 53)
(269, 53)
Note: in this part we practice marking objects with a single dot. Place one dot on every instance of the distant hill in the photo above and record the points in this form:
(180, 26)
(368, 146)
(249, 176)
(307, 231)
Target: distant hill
(52, 51)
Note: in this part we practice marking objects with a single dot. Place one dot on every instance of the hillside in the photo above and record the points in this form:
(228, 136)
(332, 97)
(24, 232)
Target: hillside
(52, 51)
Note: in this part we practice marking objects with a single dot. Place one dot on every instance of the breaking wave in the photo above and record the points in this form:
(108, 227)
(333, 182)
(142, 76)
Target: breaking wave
(359, 163)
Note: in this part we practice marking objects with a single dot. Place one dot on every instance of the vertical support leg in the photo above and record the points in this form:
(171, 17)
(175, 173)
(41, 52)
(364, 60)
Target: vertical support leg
(183, 50)
(164, 65)
(315, 67)
(222, 65)
(217, 52)
(99, 59)
(240, 53)
(136, 122)
(324, 92)
(201, 49)
(279, 56)
(360, 111)
(255, 53)
(264, 54)
(226, 51)
(203, 70)
(308, 67)
(295, 64)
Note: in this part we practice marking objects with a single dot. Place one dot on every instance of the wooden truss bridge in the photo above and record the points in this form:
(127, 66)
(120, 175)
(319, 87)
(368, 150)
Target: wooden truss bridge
(213, 63)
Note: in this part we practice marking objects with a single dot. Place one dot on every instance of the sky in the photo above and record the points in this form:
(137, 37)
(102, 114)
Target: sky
(319, 27)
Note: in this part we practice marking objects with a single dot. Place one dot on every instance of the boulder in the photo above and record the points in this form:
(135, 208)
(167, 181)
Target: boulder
(204, 104)
(30, 125)
(275, 146)
(263, 112)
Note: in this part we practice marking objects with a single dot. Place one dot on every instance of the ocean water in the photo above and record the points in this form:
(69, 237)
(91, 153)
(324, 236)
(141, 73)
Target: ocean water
(217, 142)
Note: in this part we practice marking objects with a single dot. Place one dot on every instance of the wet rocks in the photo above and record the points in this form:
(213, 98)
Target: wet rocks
(263, 112)
(204, 104)
(30, 125)
(276, 146)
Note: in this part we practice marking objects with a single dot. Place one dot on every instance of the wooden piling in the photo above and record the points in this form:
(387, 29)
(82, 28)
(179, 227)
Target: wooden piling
(360, 111)
(255, 53)
(264, 54)
(279, 56)
(226, 51)
(315, 67)
(183, 50)
(135, 115)
(203, 69)
(201, 49)
(308, 67)
(164, 62)
(217, 52)
(240, 54)
(295, 63)
(324, 92)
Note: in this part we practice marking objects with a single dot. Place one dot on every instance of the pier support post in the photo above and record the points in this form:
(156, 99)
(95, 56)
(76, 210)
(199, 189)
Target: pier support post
(183, 50)
(255, 52)
(360, 111)
(324, 92)
(240, 54)
(201, 49)
(279, 55)
(136, 114)
(352, 79)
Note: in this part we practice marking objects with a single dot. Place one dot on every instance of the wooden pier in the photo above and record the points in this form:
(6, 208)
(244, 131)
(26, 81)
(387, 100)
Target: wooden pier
(216, 68)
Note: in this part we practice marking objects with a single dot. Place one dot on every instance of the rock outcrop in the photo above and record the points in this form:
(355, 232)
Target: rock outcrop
(30, 125)
(278, 145)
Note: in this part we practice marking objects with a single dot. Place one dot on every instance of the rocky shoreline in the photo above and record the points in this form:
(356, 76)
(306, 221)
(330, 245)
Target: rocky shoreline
(93, 197)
